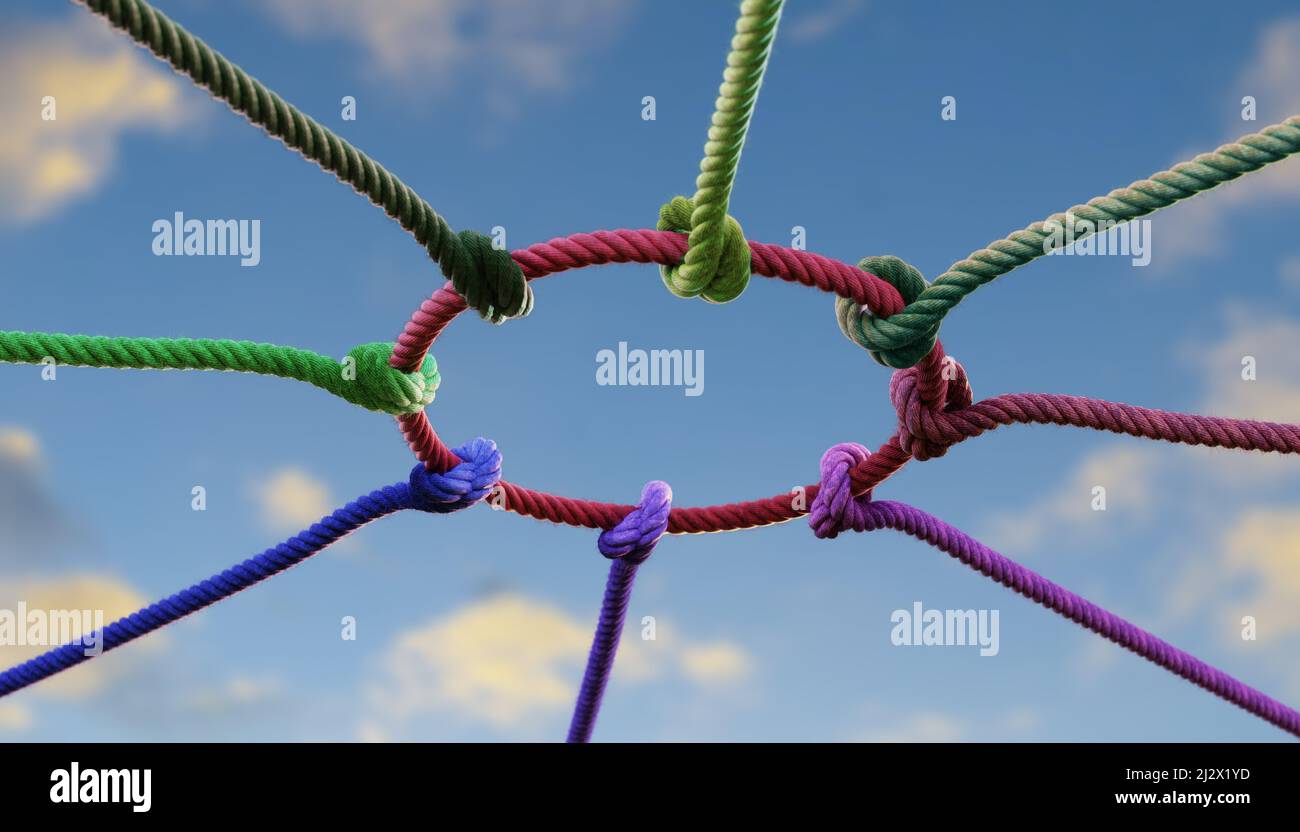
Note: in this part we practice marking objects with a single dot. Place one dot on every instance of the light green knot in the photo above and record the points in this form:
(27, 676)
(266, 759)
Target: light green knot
(366, 379)
(716, 266)
(897, 341)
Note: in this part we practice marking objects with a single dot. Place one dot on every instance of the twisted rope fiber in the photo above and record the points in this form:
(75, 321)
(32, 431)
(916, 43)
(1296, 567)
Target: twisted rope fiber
(424, 491)
(933, 414)
(837, 509)
(899, 337)
(968, 550)
(484, 275)
(628, 545)
(941, 430)
(222, 585)
(374, 385)
(666, 248)
(714, 266)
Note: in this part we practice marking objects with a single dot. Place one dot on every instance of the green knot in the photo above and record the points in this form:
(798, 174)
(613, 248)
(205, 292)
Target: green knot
(716, 266)
(367, 379)
(900, 340)
(488, 278)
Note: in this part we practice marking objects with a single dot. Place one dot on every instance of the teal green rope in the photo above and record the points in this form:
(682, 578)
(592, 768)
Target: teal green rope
(502, 294)
(903, 339)
(365, 380)
(712, 232)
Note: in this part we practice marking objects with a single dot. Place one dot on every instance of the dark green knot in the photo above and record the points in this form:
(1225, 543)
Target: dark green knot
(897, 341)
(716, 267)
(488, 278)
(367, 379)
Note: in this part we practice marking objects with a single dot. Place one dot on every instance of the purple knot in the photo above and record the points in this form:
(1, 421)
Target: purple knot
(635, 536)
(464, 485)
(835, 509)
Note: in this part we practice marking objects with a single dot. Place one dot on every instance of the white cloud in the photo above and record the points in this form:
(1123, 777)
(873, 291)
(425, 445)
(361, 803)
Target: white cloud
(291, 500)
(1125, 471)
(1196, 227)
(1289, 272)
(98, 593)
(103, 87)
(33, 525)
(1262, 546)
(15, 717)
(938, 726)
(489, 48)
(922, 727)
(1273, 342)
(235, 694)
(502, 661)
(507, 660)
(818, 24)
(19, 445)
(715, 664)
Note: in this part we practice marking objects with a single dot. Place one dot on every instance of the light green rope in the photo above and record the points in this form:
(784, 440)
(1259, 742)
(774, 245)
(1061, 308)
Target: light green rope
(711, 230)
(501, 294)
(364, 378)
(903, 339)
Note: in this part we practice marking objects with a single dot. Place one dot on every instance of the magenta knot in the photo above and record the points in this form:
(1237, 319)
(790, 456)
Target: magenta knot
(924, 429)
(635, 536)
(835, 509)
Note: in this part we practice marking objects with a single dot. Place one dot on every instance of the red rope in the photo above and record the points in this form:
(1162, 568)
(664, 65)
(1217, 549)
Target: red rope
(933, 399)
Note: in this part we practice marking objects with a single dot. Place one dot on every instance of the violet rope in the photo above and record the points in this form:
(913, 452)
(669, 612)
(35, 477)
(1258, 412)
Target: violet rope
(836, 509)
(628, 545)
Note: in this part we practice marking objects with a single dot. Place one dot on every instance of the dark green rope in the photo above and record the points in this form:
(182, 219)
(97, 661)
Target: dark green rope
(262, 107)
(903, 339)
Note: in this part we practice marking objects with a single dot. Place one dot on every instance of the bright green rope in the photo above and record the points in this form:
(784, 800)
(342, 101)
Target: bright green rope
(711, 230)
(364, 378)
(903, 339)
(502, 294)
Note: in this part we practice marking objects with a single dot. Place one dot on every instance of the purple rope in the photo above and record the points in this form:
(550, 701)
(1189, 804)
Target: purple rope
(628, 544)
(832, 513)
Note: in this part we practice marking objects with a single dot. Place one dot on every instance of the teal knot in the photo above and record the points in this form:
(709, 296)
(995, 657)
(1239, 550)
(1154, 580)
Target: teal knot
(368, 380)
(716, 266)
(488, 278)
(895, 341)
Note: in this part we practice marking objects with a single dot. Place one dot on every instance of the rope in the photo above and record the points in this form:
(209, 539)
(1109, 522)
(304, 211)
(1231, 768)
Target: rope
(425, 491)
(903, 334)
(365, 379)
(713, 264)
(884, 305)
(865, 515)
(628, 545)
(666, 248)
(494, 289)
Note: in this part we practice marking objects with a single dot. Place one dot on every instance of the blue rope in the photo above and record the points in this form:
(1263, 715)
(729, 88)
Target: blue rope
(428, 491)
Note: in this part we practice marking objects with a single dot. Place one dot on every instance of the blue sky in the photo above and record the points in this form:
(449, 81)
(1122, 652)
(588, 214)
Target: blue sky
(474, 626)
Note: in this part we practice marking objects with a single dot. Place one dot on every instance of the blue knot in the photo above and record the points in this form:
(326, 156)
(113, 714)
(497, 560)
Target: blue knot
(463, 485)
(835, 509)
(635, 536)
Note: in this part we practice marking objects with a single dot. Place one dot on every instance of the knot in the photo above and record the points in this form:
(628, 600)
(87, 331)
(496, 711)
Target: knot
(924, 429)
(835, 509)
(375, 385)
(897, 341)
(716, 266)
(488, 278)
(635, 536)
(466, 484)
